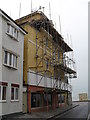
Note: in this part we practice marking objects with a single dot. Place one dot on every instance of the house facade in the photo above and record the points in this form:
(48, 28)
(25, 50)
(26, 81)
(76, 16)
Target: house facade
(11, 65)
(47, 67)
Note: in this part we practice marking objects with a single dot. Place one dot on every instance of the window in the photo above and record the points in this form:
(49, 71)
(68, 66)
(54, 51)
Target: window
(3, 90)
(14, 92)
(4, 93)
(54, 55)
(6, 57)
(45, 99)
(12, 31)
(0, 92)
(47, 66)
(58, 55)
(16, 95)
(36, 100)
(61, 98)
(10, 60)
(49, 99)
(47, 42)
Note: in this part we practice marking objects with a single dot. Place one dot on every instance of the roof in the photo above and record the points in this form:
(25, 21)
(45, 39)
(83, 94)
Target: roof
(32, 14)
(46, 21)
(3, 13)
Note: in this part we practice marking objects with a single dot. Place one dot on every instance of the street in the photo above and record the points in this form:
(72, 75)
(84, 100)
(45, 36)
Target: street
(80, 111)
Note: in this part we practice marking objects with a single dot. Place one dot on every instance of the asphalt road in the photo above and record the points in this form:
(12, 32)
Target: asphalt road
(80, 111)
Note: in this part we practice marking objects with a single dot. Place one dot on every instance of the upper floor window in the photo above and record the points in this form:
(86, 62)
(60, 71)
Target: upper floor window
(47, 42)
(47, 64)
(10, 59)
(58, 55)
(12, 31)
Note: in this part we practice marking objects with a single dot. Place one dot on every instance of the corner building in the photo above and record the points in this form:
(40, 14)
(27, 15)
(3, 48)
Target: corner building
(47, 67)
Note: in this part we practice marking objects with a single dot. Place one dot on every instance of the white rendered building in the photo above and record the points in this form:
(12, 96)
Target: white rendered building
(11, 65)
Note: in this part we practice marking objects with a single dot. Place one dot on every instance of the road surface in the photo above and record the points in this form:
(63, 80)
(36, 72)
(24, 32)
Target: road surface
(80, 111)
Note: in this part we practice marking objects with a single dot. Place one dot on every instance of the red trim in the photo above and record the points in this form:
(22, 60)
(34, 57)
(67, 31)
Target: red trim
(15, 85)
(4, 83)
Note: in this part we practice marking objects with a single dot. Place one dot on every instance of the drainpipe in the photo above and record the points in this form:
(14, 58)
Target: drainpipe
(27, 91)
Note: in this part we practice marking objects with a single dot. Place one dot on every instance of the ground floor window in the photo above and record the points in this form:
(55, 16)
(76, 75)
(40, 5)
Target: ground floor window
(14, 92)
(3, 91)
(49, 99)
(45, 99)
(61, 98)
(36, 100)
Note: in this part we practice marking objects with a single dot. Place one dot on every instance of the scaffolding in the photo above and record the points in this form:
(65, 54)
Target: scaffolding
(53, 54)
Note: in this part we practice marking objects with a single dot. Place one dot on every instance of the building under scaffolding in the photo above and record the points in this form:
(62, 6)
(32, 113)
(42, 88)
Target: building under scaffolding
(47, 68)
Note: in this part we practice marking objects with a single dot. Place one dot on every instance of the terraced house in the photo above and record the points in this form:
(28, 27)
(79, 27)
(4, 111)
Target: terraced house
(47, 68)
(11, 65)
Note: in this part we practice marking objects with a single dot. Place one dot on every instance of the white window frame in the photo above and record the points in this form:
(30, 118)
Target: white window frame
(15, 93)
(2, 92)
(13, 60)
(11, 31)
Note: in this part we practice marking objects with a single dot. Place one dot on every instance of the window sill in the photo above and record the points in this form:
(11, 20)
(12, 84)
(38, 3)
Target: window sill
(3, 101)
(10, 66)
(12, 36)
(14, 100)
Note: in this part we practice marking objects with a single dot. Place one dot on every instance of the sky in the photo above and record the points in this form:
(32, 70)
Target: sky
(74, 22)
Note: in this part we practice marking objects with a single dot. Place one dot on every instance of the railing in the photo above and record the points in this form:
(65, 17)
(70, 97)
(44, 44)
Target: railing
(47, 82)
(68, 62)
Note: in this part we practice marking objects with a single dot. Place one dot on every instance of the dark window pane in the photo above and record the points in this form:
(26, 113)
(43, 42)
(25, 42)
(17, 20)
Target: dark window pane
(10, 59)
(45, 100)
(47, 65)
(36, 100)
(8, 27)
(49, 99)
(63, 98)
(33, 100)
(5, 59)
(47, 42)
(59, 100)
(4, 93)
(13, 60)
(58, 55)
(0, 92)
(12, 93)
(16, 95)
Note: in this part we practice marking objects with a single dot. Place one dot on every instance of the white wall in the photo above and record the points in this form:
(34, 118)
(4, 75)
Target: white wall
(0, 57)
(12, 75)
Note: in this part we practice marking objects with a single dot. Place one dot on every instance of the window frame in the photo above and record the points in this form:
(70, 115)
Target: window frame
(15, 87)
(37, 97)
(12, 31)
(11, 59)
(2, 85)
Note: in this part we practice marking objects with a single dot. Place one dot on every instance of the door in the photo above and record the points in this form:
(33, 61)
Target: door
(24, 102)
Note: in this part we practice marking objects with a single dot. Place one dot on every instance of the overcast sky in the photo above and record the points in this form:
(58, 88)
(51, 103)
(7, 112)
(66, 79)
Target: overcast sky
(74, 22)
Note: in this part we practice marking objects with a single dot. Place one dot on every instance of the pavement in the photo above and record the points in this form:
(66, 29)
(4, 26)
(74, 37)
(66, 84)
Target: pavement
(50, 113)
